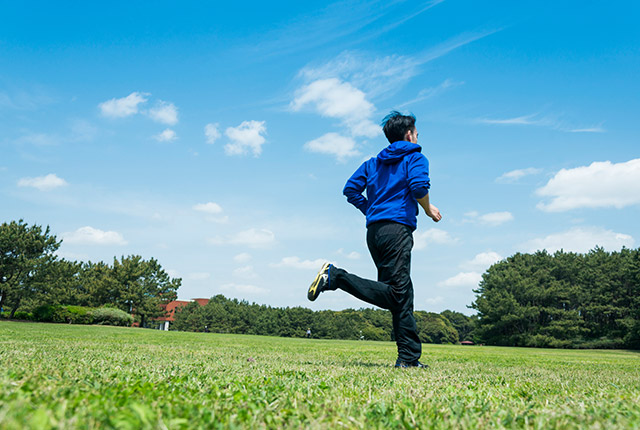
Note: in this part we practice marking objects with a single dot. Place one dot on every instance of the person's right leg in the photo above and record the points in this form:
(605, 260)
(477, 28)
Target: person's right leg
(373, 292)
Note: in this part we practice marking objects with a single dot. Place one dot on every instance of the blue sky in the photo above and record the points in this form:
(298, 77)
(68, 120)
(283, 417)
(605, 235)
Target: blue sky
(217, 137)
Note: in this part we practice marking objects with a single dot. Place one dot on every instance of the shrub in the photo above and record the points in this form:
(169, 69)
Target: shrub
(111, 316)
(21, 315)
(80, 314)
(51, 313)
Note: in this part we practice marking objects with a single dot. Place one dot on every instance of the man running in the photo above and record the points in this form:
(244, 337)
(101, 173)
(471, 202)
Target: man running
(396, 182)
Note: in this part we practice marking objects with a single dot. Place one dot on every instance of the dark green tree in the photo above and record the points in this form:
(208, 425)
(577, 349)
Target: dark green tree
(143, 286)
(24, 253)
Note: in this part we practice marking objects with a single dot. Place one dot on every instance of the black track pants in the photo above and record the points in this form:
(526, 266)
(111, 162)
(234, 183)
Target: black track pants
(390, 246)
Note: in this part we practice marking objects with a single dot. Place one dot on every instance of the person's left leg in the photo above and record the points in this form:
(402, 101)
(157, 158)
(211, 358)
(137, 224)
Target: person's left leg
(390, 245)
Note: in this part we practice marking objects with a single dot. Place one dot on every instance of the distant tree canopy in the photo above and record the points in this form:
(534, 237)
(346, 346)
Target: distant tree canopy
(31, 276)
(562, 300)
(222, 315)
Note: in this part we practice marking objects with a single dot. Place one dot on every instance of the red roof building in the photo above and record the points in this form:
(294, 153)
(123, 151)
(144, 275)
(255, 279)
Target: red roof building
(171, 307)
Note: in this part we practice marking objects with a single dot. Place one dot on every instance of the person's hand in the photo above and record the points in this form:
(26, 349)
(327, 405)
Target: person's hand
(434, 213)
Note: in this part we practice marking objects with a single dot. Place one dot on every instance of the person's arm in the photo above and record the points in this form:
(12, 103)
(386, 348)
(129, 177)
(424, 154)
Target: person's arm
(355, 187)
(431, 211)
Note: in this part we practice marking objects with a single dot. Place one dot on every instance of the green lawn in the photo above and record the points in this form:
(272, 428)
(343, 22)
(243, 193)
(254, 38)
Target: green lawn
(64, 376)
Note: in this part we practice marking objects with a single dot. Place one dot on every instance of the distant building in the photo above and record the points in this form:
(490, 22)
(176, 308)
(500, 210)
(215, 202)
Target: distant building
(170, 311)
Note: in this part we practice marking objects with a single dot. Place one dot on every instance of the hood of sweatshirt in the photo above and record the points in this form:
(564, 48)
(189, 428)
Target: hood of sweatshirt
(397, 151)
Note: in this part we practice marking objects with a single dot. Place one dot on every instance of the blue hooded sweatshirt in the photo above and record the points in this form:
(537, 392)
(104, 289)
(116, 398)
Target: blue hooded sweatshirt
(394, 180)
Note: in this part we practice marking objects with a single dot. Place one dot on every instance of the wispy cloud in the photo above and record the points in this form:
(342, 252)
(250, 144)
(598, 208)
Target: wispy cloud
(242, 258)
(514, 175)
(297, 263)
(598, 129)
(24, 99)
(245, 272)
(199, 276)
(208, 208)
(554, 122)
(532, 119)
(492, 218)
(428, 93)
(252, 238)
(338, 21)
(243, 289)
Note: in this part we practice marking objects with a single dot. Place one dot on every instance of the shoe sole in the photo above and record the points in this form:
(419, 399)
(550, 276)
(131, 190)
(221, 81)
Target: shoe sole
(313, 292)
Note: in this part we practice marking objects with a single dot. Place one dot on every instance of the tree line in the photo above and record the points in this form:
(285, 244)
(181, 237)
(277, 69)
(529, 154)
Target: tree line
(565, 299)
(31, 275)
(223, 315)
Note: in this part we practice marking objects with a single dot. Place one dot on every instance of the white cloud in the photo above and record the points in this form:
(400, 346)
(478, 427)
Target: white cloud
(164, 112)
(199, 276)
(297, 263)
(581, 239)
(43, 183)
(245, 272)
(496, 218)
(173, 273)
(243, 289)
(212, 132)
(492, 218)
(166, 136)
(209, 208)
(433, 235)
(333, 144)
(125, 106)
(336, 99)
(483, 260)
(434, 300)
(514, 175)
(462, 279)
(93, 236)
(247, 137)
(253, 238)
(242, 258)
(601, 184)
(353, 255)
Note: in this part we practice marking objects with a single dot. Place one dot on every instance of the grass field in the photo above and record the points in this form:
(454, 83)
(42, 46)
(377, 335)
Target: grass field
(63, 376)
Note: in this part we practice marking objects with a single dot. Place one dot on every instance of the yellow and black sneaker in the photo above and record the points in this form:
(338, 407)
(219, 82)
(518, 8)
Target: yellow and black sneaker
(320, 283)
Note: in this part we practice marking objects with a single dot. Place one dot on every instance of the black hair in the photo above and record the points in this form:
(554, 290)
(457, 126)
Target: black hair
(395, 125)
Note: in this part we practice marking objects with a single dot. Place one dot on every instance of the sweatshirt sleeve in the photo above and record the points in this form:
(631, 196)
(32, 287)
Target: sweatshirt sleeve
(355, 187)
(418, 176)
